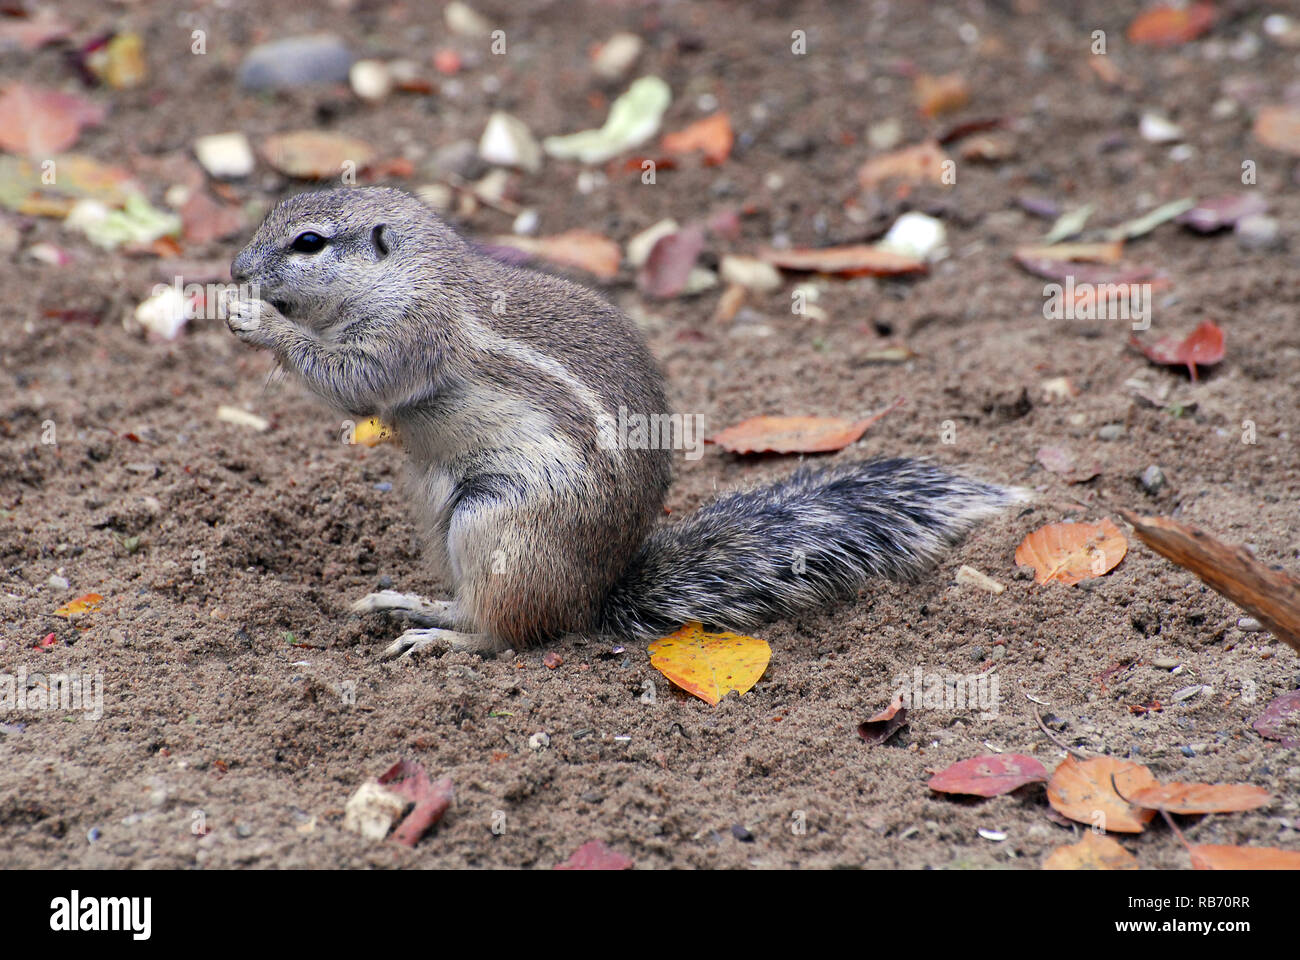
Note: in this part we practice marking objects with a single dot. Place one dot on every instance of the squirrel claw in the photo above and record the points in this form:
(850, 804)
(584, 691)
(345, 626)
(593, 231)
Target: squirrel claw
(413, 641)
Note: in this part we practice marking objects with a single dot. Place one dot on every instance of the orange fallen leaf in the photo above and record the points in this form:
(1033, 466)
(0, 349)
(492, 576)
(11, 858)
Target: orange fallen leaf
(712, 135)
(795, 434)
(584, 249)
(1082, 790)
(710, 665)
(936, 95)
(316, 154)
(1278, 126)
(41, 122)
(1190, 798)
(1070, 552)
(857, 260)
(1215, 856)
(1095, 851)
(922, 163)
(988, 776)
(1167, 26)
(79, 606)
(1202, 347)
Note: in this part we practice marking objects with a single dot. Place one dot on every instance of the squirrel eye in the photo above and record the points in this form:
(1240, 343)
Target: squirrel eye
(308, 243)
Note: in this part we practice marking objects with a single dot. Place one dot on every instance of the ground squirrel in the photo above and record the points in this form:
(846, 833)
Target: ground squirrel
(498, 380)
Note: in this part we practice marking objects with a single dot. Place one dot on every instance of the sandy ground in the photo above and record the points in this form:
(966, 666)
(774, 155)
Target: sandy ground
(226, 651)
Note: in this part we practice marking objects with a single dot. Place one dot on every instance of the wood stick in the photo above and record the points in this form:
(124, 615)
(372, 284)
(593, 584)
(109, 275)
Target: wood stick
(1272, 596)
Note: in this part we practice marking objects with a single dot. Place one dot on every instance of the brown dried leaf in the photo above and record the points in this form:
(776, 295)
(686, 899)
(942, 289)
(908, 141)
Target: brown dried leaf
(1190, 798)
(583, 249)
(852, 261)
(1095, 851)
(1278, 126)
(795, 434)
(1082, 790)
(316, 154)
(921, 163)
(1071, 552)
(885, 724)
(1222, 857)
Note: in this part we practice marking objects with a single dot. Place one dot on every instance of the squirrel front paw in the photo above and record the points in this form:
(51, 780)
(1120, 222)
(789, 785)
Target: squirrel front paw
(252, 321)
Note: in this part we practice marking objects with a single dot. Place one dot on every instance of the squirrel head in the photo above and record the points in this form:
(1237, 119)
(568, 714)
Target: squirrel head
(331, 255)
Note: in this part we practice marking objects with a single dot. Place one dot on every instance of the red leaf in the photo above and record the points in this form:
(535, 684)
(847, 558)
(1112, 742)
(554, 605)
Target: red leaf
(43, 122)
(594, 855)
(669, 265)
(409, 779)
(988, 776)
(1277, 716)
(1203, 347)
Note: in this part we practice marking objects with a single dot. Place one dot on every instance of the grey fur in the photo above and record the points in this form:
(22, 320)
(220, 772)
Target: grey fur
(495, 378)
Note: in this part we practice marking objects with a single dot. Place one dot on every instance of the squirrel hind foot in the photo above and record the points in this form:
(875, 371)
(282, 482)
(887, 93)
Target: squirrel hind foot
(410, 607)
(416, 641)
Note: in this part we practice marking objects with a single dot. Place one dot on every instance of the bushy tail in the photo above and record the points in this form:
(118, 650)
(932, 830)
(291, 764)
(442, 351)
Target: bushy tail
(817, 536)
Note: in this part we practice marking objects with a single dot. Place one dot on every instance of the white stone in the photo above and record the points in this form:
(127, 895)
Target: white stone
(750, 273)
(372, 811)
(370, 80)
(507, 142)
(617, 55)
(226, 156)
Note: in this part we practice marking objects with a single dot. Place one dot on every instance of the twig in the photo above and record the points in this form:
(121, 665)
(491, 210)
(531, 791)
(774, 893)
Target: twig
(1051, 736)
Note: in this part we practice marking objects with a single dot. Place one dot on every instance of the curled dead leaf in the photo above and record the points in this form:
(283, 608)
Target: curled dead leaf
(1071, 552)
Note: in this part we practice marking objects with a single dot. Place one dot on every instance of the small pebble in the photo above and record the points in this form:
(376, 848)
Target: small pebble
(539, 741)
(1187, 751)
(1111, 431)
(1257, 232)
(384, 486)
(1164, 663)
(1152, 479)
(1249, 625)
(370, 80)
(57, 582)
(741, 834)
(296, 62)
(385, 582)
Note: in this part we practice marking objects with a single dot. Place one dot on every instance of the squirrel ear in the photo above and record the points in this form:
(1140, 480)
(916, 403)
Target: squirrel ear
(379, 238)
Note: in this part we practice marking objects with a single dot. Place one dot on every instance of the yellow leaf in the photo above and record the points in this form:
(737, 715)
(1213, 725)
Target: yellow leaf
(710, 665)
(81, 605)
(373, 432)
